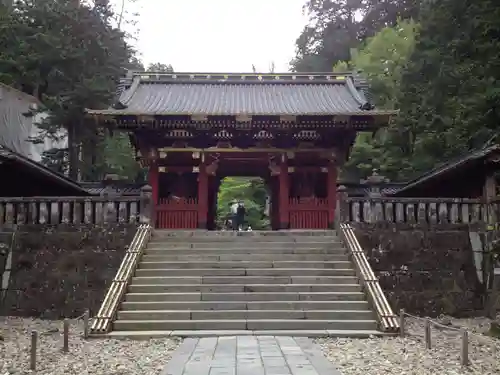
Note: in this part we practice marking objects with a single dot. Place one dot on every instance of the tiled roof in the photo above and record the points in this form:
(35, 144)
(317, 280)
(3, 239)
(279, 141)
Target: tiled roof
(363, 189)
(7, 155)
(277, 94)
(442, 171)
(97, 188)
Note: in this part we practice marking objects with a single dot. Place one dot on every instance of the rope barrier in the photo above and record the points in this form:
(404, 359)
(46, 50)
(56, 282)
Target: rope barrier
(35, 335)
(464, 333)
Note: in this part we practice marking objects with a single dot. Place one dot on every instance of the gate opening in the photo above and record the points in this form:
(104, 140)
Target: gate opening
(253, 193)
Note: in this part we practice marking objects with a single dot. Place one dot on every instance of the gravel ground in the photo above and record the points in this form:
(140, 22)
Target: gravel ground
(95, 356)
(408, 356)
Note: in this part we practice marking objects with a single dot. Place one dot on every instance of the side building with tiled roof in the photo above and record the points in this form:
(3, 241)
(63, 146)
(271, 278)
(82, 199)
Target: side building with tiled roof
(463, 177)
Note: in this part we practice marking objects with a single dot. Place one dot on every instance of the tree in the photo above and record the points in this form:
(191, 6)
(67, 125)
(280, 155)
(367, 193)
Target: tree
(253, 193)
(382, 62)
(449, 99)
(119, 157)
(337, 26)
(70, 56)
(160, 67)
(384, 59)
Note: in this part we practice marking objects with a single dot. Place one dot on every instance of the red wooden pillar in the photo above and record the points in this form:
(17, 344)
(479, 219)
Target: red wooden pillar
(275, 222)
(284, 195)
(153, 179)
(332, 193)
(202, 197)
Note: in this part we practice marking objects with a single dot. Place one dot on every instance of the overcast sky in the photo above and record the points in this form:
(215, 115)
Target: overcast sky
(219, 35)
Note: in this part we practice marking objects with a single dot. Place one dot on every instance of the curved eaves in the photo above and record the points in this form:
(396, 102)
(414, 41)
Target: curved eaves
(359, 97)
(127, 95)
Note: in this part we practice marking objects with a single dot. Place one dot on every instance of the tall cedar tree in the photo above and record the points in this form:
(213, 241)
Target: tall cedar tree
(70, 56)
(337, 26)
(450, 99)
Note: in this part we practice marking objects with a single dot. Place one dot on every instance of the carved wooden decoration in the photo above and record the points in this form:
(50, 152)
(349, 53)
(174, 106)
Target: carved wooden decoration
(274, 168)
(223, 134)
(263, 134)
(307, 135)
(212, 168)
(180, 144)
(306, 145)
(223, 144)
(178, 133)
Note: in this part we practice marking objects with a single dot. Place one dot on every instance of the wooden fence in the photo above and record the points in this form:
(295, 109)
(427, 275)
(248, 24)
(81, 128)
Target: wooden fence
(178, 213)
(417, 210)
(311, 213)
(75, 210)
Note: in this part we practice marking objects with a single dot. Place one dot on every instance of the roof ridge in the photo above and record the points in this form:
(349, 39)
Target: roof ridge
(11, 154)
(450, 164)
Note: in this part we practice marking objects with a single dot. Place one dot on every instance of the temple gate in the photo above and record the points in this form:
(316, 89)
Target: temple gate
(292, 130)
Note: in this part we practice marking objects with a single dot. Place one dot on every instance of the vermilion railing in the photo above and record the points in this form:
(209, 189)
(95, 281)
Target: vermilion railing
(308, 213)
(180, 213)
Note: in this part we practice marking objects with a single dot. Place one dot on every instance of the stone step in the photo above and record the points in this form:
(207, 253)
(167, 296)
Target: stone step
(245, 314)
(244, 245)
(243, 324)
(259, 250)
(148, 257)
(247, 239)
(246, 305)
(241, 288)
(249, 296)
(231, 280)
(242, 264)
(247, 272)
(345, 333)
(178, 234)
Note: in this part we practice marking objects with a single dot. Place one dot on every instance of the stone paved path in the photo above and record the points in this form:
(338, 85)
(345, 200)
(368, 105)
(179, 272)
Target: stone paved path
(249, 355)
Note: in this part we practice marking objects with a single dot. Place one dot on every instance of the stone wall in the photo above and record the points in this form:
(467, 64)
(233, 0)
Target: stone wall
(428, 270)
(59, 271)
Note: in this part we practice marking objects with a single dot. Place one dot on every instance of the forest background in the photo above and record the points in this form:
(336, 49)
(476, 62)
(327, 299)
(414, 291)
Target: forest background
(438, 62)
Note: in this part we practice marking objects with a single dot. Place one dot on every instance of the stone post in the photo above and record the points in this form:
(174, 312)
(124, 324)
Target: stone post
(342, 207)
(374, 182)
(147, 209)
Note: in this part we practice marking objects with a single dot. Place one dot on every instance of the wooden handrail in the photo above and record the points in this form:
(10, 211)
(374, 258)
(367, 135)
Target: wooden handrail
(388, 320)
(102, 321)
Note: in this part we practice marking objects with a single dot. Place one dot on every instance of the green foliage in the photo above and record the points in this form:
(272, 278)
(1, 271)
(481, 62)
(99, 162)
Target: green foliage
(442, 75)
(69, 55)
(342, 67)
(337, 26)
(382, 60)
(252, 192)
(449, 95)
(119, 157)
(160, 67)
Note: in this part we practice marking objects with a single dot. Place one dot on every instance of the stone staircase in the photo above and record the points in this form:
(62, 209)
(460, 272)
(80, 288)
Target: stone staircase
(204, 283)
